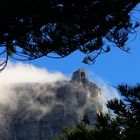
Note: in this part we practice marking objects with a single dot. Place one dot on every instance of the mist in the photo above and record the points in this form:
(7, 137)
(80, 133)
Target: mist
(108, 92)
(19, 73)
(25, 73)
(31, 94)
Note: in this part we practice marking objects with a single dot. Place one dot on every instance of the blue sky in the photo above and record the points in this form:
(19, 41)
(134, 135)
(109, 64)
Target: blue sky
(115, 67)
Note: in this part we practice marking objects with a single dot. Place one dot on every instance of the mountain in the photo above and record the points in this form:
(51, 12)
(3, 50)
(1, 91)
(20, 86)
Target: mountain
(41, 110)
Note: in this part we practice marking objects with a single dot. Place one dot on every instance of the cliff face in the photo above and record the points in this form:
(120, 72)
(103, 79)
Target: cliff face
(43, 109)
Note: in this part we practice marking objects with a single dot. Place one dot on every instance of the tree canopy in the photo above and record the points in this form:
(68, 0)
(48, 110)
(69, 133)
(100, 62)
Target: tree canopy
(35, 28)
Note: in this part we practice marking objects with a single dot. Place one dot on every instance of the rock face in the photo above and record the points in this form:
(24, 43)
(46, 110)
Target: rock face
(43, 109)
(80, 76)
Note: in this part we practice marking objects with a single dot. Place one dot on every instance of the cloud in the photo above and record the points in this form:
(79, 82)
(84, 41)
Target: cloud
(108, 92)
(25, 73)
(30, 95)
(27, 91)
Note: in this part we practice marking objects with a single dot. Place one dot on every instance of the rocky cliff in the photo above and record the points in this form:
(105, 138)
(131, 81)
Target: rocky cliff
(42, 110)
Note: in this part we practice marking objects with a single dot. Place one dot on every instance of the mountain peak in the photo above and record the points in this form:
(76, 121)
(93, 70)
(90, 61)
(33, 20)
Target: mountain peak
(80, 76)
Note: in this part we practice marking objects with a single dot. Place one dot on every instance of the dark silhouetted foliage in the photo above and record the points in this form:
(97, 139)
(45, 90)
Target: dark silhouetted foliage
(35, 28)
(127, 111)
(80, 132)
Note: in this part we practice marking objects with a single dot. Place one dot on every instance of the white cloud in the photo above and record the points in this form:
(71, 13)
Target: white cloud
(16, 98)
(25, 73)
(108, 92)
